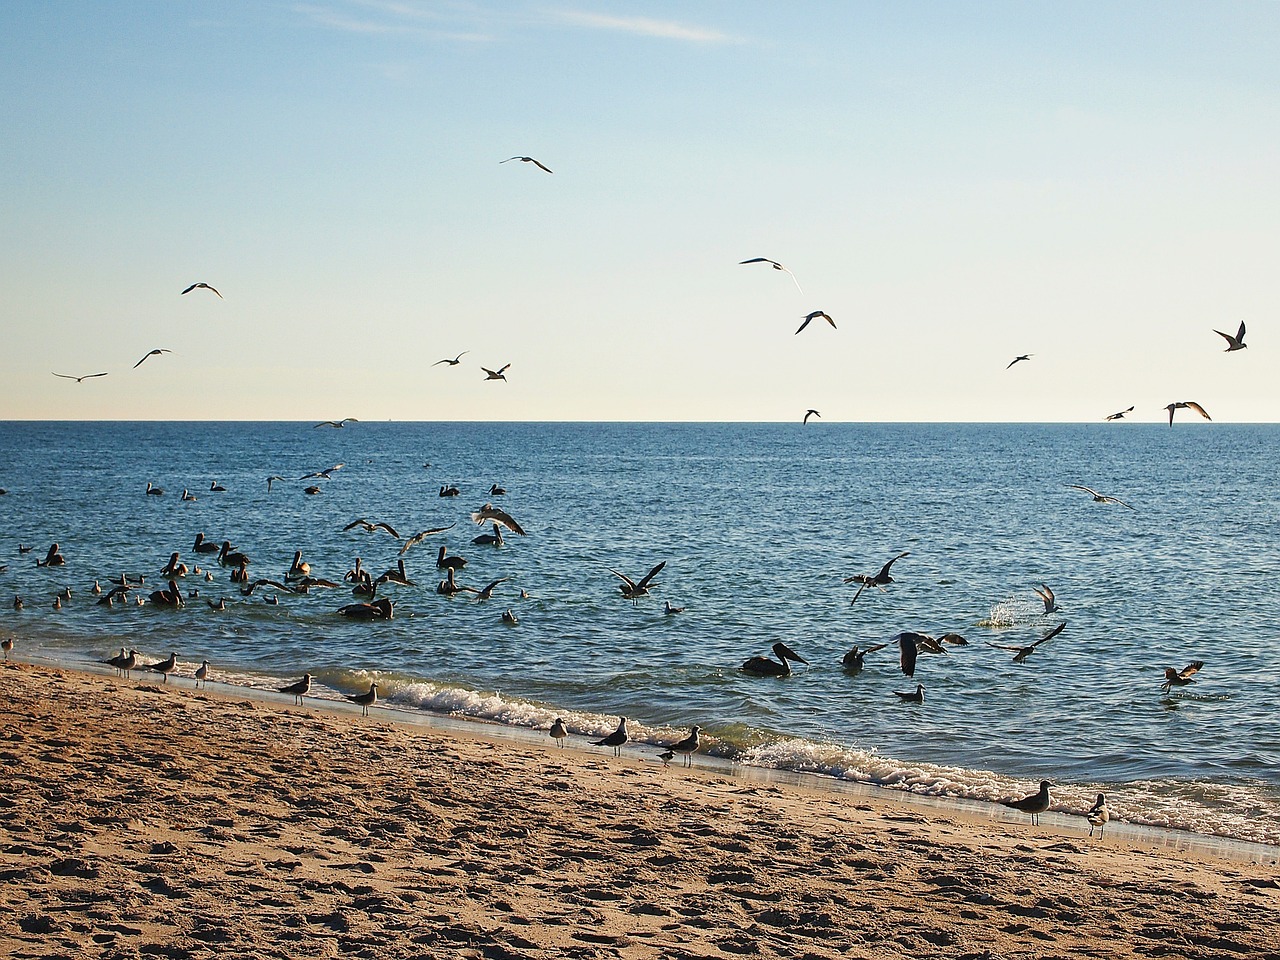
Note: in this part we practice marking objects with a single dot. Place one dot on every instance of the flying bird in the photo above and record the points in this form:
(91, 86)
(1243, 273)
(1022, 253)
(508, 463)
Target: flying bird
(417, 538)
(370, 527)
(776, 265)
(1098, 497)
(1025, 356)
(1047, 598)
(1187, 405)
(200, 286)
(633, 590)
(1119, 415)
(337, 423)
(1236, 342)
(454, 362)
(1180, 678)
(87, 376)
(536, 163)
(151, 353)
(491, 514)
(878, 579)
(815, 315)
(908, 650)
(1022, 653)
(499, 374)
(811, 413)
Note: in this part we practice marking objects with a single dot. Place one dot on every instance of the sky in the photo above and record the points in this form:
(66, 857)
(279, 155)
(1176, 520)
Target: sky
(1094, 184)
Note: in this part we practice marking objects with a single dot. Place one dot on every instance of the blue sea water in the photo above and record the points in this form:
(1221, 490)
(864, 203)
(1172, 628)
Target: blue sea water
(759, 525)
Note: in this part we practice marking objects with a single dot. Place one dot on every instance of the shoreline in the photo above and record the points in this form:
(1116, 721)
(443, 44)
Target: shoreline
(1069, 825)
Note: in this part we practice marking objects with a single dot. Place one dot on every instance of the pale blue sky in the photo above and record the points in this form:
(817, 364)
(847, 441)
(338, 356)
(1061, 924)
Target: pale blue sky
(955, 183)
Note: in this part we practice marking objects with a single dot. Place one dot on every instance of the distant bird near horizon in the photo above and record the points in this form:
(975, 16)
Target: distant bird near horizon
(1119, 415)
(87, 376)
(1098, 816)
(454, 362)
(1236, 342)
(1035, 804)
(1025, 356)
(1022, 653)
(152, 353)
(201, 286)
(814, 316)
(1186, 405)
(337, 423)
(615, 739)
(1180, 678)
(499, 374)
(811, 413)
(776, 265)
(536, 163)
(1098, 497)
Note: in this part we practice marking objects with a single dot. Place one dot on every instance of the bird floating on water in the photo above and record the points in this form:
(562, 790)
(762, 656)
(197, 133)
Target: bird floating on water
(1236, 342)
(1186, 405)
(776, 265)
(151, 353)
(536, 163)
(915, 696)
(816, 315)
(669, 609)
(764, 667)
(87, 376)
(1098, 497)
(201, 286)
(1180, 678)
(1035, 804)
(854, 659)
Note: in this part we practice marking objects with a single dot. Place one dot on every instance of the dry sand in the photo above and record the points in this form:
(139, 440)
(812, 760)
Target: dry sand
(145, 819)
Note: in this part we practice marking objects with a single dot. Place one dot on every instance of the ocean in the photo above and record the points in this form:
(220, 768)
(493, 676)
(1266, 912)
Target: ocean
(758, 525)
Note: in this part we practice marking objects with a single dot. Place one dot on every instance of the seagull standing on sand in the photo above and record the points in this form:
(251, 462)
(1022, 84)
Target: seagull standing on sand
(366, 700)
(1186, 405)
(1098, 816)
(688, 746)
(200, 286)
(151, 353)
(816, 315)
(202, 673)
(527, 160)
(559, 732)
(1236, 342)
(615, 739)
(776, 265)
(165, 667)
(1025, 356)
(299, 689)
(1035, 804)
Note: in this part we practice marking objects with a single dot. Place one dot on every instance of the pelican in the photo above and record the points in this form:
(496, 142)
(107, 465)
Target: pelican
(454, 362)
(448, 586)
(166, 666)
(231, 558)
(1035, 804)
(1025, 356)
(1098, 816)
(633, 590)
(1236, 342)
(200, 286)
(490, 513)
(497, 491)
(1098, 497)
(299, 568)
(169, 597)
(615, 739)
(1186, 405)
(509, 618)
(816, 315)
(87, 376)
(688, 746)
(1047, 598)
(776, 265)
(499, 374)
(216, 487)
(174, 568)
(187, 496)
(526, 160)
(1180, 678)
(299, 689)
(878, 579)
(152, 353)
(52, 559)
(811, 413)
(916, 696)
(1024, 652)
(559, 732)
(1119, 415)
(449, 491)
(337, 423)
(380, 609)
(450, 563)
(490, 539)
(366, 700)
(764, 667)
(153, 490)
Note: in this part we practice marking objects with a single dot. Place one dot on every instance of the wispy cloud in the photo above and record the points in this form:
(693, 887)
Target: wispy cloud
(644, 26)
(451, 21)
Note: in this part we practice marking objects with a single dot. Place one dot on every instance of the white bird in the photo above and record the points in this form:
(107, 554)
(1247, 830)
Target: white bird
(1098, 816)
(776, 265)
(559, 732)
(527, 160)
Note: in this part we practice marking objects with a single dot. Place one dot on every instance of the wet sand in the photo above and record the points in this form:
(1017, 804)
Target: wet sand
(147, 819)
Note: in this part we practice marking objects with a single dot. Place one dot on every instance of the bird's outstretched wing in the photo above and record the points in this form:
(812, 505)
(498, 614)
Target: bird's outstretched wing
(1191, 404)
(631, 584)
(650, 575)
(417, 538)
(490, 513)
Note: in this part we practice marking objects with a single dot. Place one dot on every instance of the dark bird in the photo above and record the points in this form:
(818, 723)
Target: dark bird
(87, 376)
(417, 538)
(1047, 598)
(915, 696)
(634, 590)
(499, 374)
(1187, 405)
(371, 526)
(1236, 342)
(908, 650)
(153, 490)
(299, 689)
(166, 666)
(509, 618)
(559, 732)
(53, 558)
(379, 609)
(203, 546)
(527, 160)
(688, 746)
(216, 487)
(490, 539)
(325, 474)
(1180, 678)
(219, 604)
(1035, 804)
(853, 660)
(764, 667)
(497, 491)
(202, 673)
(811, 413)
(878, 579)
(815, 315)
(449, 491)
(201, 286)
(152, 353)
(448, 563)
(491, 514)
(1098, 497)
(1022, 653)
(454, 362)
(336, 423)
(231, 558)
(1098, 816)
(1025, 356)
(188, 496)
(272, 479)
(776, 265)
(486, 592)
(366, 700)
(1120, 415)
(615, 739)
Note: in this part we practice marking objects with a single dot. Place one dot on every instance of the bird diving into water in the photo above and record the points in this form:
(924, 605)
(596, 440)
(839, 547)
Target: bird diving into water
(1186, 405)
(536, 163)
(816, 315)
(776, 265)
(201, 286)
(1236, 342)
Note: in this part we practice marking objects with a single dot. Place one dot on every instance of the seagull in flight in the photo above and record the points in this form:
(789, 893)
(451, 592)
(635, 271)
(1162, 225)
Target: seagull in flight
(1022, 653)
(489, 513)
(632, 589)
(1120, 415)
(201, 286)
(1187, 405)
(1025, 356)
(499, 374)
(816, 315)
(151, 353)
(776, 265)
(371, 526)
(1047, 598)
(87, 376)
(1180, 678)
(811, 413)
(536, 163)
(337, 423)
(417, 538)
(1098, 497)
(454, 361)
(878, 579)
(1236, 342)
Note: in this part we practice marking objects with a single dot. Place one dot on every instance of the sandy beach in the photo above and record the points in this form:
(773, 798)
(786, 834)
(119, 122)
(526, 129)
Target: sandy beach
(147, 819)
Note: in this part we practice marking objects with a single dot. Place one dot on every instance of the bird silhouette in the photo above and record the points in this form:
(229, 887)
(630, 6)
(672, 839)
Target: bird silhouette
(87, 376)
(811, 413)
(454, 362)
(776, 265)
(1186, 405)
(151, 353)
(201, 286)
(816, 315)
(1120, 414)
(536, 163)
(1025, 356)
(1236, 342)
(499, 374)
